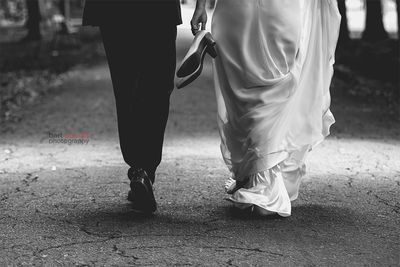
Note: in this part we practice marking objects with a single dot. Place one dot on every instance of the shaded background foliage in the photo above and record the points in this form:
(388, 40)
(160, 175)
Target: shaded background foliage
(375, 55)
(12, 10)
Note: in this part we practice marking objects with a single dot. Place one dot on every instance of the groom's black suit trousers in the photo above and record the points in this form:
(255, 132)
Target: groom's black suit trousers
(142, 63)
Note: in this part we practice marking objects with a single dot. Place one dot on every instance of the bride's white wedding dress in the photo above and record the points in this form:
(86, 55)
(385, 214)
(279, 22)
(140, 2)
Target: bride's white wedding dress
(272, 78)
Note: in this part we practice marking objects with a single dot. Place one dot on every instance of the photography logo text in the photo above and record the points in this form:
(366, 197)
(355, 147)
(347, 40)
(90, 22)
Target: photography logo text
(68, 138)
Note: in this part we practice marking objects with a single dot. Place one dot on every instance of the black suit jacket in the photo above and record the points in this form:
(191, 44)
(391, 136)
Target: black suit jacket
(139, 12)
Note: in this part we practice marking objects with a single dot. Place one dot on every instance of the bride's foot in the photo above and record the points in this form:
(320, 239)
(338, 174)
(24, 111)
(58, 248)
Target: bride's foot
(231, 185)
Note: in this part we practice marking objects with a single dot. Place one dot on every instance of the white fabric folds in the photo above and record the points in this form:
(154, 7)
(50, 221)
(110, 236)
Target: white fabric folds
(272, 78)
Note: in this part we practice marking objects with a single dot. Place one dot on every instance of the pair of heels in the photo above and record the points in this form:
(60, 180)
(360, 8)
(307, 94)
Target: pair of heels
(192, 64)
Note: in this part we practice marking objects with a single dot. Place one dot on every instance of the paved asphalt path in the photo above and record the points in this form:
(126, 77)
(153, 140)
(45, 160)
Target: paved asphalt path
(65, 205)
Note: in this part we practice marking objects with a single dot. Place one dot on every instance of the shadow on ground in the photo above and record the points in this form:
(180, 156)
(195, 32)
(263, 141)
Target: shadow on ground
(81, 216)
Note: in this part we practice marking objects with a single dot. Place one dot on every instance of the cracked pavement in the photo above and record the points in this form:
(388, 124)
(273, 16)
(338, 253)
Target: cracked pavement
(65, 205)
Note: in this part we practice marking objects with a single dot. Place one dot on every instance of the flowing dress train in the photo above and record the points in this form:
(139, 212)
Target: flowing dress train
(272, 78)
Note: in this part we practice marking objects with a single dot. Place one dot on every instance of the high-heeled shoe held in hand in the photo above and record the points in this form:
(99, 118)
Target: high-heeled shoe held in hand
(192, 64)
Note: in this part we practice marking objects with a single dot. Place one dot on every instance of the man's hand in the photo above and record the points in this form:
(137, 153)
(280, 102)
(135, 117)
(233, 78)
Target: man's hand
(199, 17)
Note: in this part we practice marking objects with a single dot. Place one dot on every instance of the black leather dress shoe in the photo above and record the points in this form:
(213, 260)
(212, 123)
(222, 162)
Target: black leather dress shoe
(141, 194)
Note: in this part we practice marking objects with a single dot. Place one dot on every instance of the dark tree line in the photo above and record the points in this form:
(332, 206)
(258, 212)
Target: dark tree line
(344, 36)
(33, 21)
(374, 28)
(398, 17)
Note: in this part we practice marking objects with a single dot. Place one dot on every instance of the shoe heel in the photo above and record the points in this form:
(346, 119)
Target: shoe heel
(209, 39)
(212, 51)
(211, 46)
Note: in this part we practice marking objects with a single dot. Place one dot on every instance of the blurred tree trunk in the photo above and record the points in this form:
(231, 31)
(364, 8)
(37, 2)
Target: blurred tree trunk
(344, 36)
(374, 29)
(398, 37)
(398, 18)
(63, 6)
(33, 21)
